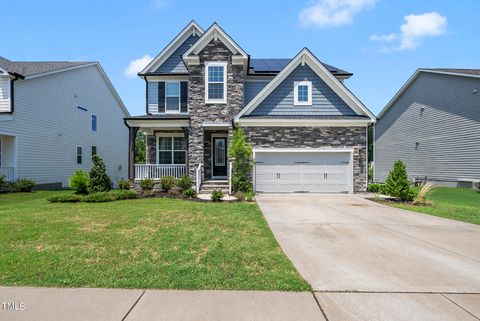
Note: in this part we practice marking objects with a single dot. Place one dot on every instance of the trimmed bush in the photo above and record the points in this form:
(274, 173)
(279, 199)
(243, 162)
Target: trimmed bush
(241, 184)
(124, 184)
(239, 196)
(217, 195)
(99, 197)
(397, 184)
(99, 180)
(167, 183)
(23, 185)
(65, 198)
(375, 188)
(249, 196)
(147, 184)
(79, 182)
(184, 183)
(189, 193)
(124, 194)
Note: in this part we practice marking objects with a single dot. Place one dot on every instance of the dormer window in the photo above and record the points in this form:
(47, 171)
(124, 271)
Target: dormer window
(215, 82)
(302, 93)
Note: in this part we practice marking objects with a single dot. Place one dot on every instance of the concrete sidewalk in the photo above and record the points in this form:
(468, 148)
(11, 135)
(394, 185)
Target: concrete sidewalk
(52, 304)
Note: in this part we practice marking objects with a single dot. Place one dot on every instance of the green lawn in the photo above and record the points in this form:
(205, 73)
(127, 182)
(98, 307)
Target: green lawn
(148, 243)
(454, 203)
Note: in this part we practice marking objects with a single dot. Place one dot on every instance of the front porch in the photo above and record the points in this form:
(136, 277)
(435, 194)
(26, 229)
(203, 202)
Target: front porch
(8, 157)
(175, 149)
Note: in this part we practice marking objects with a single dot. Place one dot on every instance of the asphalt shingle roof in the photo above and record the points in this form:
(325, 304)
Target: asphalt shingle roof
(457, 71)
(29, 68)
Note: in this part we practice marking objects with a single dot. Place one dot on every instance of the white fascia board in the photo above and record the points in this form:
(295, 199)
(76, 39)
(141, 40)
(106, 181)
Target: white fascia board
(191, 28)
(215, 31)
(215, 125)
(3, 71)
(158, 123)
(412, 79)
(305, 56)
(166, 78)
(302, 122)
(303, 150)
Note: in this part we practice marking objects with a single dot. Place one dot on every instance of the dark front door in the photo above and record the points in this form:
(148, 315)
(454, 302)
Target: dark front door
(219, 157)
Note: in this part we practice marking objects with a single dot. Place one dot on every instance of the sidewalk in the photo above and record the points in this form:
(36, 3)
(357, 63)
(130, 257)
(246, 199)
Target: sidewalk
(54, 304)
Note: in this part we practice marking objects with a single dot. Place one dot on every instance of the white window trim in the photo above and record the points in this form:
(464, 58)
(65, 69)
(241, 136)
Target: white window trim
(224, 65)
(295, 93)
(9, 92)
(170, 135)
(179, 97)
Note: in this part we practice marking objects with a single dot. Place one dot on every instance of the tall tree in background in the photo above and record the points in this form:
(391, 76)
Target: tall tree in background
(140, 148)
(370, 144)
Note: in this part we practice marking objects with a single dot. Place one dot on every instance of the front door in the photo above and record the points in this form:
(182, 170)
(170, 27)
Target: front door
(219, 157)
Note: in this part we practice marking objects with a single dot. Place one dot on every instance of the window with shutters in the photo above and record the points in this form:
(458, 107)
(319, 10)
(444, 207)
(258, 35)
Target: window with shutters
(169, 96)
(172, 97)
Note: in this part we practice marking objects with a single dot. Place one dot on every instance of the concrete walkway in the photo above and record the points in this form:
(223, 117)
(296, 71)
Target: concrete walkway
(366, 261)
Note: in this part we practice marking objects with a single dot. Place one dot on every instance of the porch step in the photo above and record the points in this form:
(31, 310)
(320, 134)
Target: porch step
(210, 185)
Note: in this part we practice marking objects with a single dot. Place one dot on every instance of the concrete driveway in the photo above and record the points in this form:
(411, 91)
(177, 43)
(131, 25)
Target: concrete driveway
(364, 256)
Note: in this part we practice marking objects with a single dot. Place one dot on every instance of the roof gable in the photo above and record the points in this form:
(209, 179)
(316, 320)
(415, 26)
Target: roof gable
(192, 29)
(305, 57)
(174, 63)
(215, 33)
(37, 68)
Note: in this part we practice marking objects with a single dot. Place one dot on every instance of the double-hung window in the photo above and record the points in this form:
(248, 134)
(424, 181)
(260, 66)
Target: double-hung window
(216, 82)
(79, 154)
(172, 96)
(94, 123)
(302, 93)
(172, 149)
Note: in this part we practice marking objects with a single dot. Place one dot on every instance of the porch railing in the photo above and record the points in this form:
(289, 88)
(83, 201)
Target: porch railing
(8, 172)
(156, 171)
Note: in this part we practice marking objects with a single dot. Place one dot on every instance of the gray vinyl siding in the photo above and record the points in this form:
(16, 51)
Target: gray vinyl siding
(48, 126)
(174, 64)
(324, 100)
(447, 131)
(152, 97)
(252, 88)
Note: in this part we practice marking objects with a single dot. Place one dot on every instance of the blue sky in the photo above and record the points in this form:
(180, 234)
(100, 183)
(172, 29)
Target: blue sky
(381, 41)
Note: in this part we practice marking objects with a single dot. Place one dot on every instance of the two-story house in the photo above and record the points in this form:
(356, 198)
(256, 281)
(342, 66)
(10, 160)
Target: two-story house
(54, 116)
(308, 131)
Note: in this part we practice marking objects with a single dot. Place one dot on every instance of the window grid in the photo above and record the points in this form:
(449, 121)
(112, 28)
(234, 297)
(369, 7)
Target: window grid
(303, 93)
(172, 96)
(171, 150)
(215, 79)
(79, 154)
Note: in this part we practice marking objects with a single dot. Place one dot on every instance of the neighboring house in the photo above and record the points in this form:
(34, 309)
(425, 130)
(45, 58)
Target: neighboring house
(308, 131)
(54, 116)
(433, 125)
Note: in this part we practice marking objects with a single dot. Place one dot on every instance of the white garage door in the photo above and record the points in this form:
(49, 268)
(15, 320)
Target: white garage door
(321, 172)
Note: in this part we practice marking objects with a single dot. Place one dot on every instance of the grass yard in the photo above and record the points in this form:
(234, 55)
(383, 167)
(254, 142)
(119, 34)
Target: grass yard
(454, 203)
(147, 243)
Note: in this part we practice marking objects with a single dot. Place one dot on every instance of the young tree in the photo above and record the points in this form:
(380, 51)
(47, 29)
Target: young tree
(140, 148)
(99, 180)
(242, 153)
(397, 184)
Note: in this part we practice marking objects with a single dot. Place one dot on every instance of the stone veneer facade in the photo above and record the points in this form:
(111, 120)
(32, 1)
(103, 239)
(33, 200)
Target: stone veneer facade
(200, 112)
(317, 137)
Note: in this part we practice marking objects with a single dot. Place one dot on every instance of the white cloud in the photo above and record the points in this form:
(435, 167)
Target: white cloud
(137, 65)
(159, 4)
(332, 13)
(414, 30)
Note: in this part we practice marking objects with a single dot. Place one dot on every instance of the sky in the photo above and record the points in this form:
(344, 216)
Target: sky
(382, 42)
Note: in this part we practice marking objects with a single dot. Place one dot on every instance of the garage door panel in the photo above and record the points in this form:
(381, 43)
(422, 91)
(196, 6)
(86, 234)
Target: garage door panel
(319, 172)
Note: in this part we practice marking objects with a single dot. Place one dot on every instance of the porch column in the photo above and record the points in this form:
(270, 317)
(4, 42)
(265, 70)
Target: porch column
(186, 133)
(132, 135)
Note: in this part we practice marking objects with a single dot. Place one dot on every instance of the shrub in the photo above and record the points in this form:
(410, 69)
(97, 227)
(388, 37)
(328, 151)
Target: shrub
(217, 195)
(79, 182)
(3, 180)
(147, 184)
(167, 183)
(370, 172)
(184, 183)
(239, 196)
(65, 198)
(99, 180)
(189, 193)
(241, 153)
(23, 185)
(99, 197)
(124, 194)
(397, 184)
(249, 196)
(375, 188)
(241, 184)
(124, 184)
(421, 198)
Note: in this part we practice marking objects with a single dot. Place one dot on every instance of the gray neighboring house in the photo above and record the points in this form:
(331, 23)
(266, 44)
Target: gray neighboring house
(54, 116)
(433, 125)
(308, 131)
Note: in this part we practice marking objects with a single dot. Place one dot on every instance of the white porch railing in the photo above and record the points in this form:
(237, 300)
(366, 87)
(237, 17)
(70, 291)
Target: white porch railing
(8, 172)
(230, 165)
(198, 178)
(156, 171)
